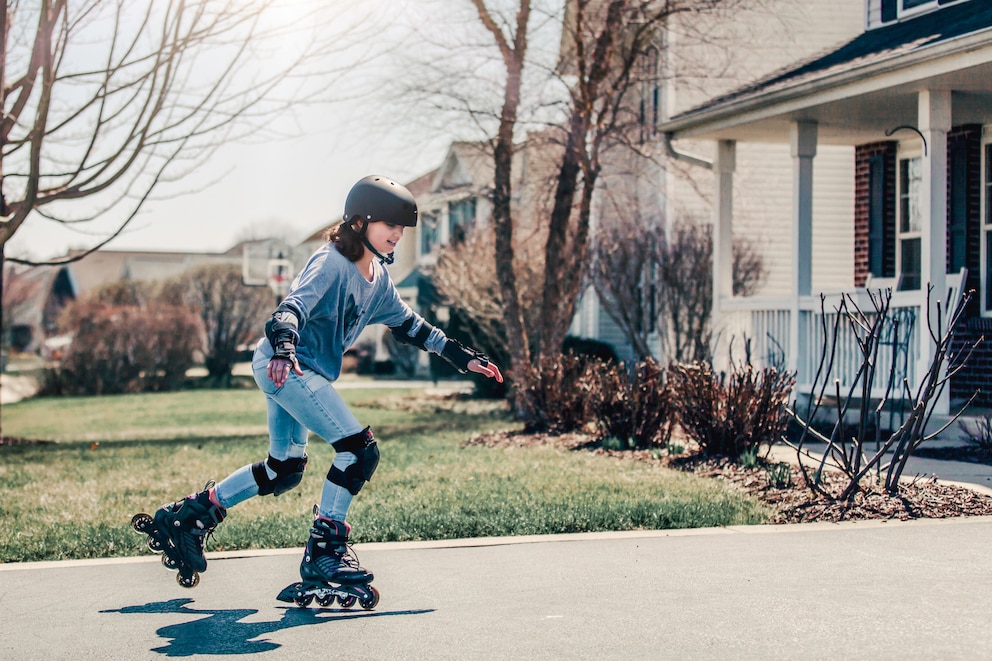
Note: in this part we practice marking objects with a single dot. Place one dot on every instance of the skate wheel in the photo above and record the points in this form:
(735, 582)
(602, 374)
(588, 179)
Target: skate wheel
(188, 581)
(155, 545)
(141, 522)
(304, 600)
(169, 562)
(324, 602)
(370, 603)
(347, 602)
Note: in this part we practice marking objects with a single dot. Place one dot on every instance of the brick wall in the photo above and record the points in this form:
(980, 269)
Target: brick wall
(862, 156)
(977, 373)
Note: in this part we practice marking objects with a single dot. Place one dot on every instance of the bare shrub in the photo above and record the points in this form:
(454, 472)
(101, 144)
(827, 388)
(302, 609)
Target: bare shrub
(121, 349)
(636, 406)
(568, 387)
(849, 450)
(731, 414)
(231, 313)
(980, 437)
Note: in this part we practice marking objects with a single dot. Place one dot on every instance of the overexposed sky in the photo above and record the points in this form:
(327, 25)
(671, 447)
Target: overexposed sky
(293, 180)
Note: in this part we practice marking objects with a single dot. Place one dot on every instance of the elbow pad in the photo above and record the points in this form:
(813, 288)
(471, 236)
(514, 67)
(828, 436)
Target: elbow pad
(282, 331)
(418, 339)
(460, 356)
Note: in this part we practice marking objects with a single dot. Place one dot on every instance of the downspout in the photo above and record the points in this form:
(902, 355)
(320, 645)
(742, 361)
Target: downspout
(685, 158)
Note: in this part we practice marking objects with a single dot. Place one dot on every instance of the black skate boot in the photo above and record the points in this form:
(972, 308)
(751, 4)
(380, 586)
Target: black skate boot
(328, 558)
(179, 530)
(330, 569)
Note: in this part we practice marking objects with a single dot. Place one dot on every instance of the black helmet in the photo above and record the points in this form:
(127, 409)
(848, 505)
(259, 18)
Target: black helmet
(376, 198)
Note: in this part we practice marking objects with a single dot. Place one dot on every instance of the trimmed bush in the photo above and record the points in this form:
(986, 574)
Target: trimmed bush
(636, 406)
(566, 391)
(118, 349)
(731, 415)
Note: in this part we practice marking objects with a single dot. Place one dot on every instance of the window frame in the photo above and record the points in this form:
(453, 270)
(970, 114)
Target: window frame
(905, 154)
(429, 223)
(924, 6)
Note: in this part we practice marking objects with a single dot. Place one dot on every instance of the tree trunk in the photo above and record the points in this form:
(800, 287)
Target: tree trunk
(520, 372)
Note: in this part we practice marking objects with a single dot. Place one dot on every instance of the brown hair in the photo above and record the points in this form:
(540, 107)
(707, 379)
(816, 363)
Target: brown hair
(349, 241)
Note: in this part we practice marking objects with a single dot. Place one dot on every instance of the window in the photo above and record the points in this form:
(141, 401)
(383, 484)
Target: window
(461, 217)
(430, 236)
(649, 112)
(892, 10)
(909, 237)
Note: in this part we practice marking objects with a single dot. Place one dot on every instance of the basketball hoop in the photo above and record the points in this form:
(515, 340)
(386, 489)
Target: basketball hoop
(280, 275)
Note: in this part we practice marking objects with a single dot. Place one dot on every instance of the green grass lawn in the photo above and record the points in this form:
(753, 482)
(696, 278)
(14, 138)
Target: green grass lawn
(114, 456)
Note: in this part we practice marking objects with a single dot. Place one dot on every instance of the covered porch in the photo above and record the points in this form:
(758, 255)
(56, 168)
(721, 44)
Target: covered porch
(907, 86)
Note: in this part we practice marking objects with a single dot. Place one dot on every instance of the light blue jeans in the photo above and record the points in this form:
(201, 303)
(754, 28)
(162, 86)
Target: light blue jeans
(303, 404)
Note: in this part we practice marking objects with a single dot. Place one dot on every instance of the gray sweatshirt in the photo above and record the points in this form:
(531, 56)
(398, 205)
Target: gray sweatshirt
(336, 303)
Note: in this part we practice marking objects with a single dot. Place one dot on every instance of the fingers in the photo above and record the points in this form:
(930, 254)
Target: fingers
(278, 370)
(489, 369)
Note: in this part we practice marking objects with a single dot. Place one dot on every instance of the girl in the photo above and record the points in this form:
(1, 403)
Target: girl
(343, 288)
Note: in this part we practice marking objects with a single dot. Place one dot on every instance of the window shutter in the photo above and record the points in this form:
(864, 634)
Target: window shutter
(890, 10)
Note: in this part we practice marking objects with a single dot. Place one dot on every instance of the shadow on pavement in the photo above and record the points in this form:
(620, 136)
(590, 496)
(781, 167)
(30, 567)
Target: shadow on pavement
(223, 632)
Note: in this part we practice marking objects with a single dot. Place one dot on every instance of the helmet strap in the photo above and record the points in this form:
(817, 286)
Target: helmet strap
(383, 259)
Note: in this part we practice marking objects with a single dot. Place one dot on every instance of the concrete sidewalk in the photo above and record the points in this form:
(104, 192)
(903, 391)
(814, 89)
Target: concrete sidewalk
(814, 591)
(973, 476)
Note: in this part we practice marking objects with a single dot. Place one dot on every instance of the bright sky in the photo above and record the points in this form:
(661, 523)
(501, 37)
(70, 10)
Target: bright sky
(274, 186)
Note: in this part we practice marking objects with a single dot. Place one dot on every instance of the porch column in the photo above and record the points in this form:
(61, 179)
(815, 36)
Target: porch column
(723, 216)
(935, 122)
(802, 140)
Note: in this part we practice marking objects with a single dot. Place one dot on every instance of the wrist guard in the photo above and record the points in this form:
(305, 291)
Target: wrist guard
(419, 337)
(460, 356)
(281, 331)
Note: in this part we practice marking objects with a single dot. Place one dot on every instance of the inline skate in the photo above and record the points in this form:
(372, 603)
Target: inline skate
(179, 530)
(330, 570)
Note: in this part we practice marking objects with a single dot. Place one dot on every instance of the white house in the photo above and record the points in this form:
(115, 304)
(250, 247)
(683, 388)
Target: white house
(905, 101)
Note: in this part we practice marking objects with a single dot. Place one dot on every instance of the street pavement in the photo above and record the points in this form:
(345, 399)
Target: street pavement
(878, 590)
(874, 590)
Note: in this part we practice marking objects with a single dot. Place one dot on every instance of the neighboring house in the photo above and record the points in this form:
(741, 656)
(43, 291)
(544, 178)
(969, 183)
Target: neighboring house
(53, 287)
(907, 101)
(33, 299)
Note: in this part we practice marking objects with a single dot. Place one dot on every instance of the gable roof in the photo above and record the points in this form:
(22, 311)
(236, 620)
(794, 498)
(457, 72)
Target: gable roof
(957, 29)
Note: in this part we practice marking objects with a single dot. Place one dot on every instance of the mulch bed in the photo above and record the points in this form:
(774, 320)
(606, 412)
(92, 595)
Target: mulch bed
(926, 498)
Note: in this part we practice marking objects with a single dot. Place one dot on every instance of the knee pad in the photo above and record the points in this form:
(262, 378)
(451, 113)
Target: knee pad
(354, 477)
(288, 472)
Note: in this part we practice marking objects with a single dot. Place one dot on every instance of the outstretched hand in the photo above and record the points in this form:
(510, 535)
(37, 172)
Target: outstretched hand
(279, 367)
(488, 369)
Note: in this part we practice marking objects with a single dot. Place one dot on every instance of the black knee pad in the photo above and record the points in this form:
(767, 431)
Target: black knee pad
(363, 446)
(288, 472)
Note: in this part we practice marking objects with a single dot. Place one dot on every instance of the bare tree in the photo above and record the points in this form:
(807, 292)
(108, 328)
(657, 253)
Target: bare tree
(604, 41)
(105, 100)
(648, 283)
(230, 310)
(626, 263)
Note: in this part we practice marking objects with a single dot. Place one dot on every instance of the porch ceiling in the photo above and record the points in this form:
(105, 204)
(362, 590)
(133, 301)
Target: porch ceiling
(855, 98)
(849, 115)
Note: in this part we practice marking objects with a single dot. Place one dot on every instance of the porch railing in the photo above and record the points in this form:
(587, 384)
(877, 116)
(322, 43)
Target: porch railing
(764, 322)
